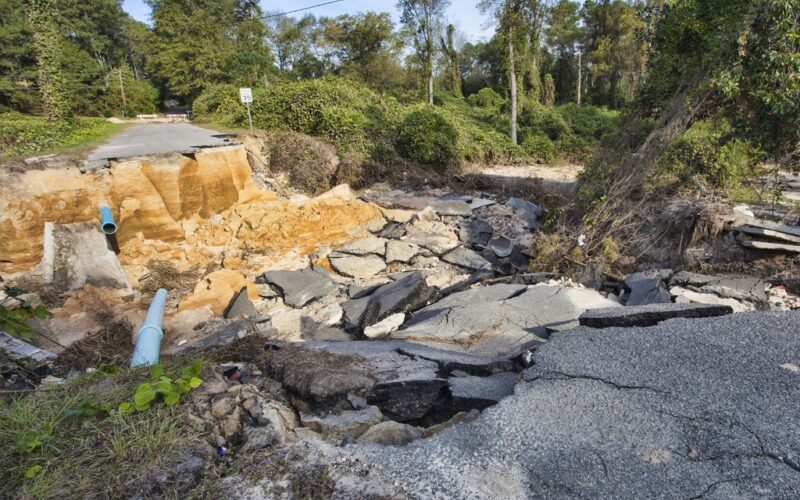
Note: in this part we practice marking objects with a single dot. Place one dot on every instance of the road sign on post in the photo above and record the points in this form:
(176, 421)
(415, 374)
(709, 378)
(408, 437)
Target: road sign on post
(246, 96)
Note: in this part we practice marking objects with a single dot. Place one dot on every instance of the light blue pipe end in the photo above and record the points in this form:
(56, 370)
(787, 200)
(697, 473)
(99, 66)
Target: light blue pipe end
(148, 340)
(107, 221)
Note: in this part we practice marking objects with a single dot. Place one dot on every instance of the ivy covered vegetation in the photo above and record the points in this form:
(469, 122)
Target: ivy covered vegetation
(357, 119)
(24, 134)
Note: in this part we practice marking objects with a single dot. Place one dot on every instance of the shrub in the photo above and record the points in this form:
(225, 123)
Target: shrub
(539, 147)
(426, 137)
(220, 104)
(589, 122)
(707, 152)
(540, 120)
(487, 98)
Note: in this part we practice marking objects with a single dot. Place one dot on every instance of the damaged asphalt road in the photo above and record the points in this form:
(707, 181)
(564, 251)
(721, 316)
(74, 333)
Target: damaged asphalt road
(688, 408)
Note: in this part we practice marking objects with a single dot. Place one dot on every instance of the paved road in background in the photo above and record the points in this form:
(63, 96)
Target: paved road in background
(155, 138)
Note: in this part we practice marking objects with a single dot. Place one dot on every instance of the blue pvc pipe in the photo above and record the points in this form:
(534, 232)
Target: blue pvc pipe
(148, 339)
(107, 221)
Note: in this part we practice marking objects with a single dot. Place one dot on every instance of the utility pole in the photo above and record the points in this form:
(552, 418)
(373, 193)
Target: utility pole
(122, 90)
(580, 75)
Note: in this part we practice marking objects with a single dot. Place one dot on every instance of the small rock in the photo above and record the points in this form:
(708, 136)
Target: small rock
(223, 406)
(358, 267)
(476, 232)
(240, 306)
(353, 423)
(393, 230)
(365, 246)
(465, 258)
(481, 392)
(400, 251)
(384, 327)
(300, 287)
(459, 418)
(390, 433)
(451, 208)
(428, 214)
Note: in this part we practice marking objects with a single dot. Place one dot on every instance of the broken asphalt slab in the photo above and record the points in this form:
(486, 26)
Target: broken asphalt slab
(649, 315)
(628, 413)
(299, 288)
(500, 319)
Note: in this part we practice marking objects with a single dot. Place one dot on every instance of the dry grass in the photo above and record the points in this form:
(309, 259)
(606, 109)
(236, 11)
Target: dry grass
(165, 274)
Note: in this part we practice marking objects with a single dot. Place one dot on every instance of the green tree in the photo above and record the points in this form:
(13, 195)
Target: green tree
(365, 46)
(549, 90)
(423, 19)
(48, 42)
(519, 27)
(563, 37)
(452, 76)
(762, 86)
(616, 52)
(201, 42)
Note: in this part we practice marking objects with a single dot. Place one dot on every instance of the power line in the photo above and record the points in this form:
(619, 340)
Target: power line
(281, 14)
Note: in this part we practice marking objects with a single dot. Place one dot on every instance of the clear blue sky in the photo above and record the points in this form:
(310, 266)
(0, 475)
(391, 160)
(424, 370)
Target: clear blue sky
(463, 13)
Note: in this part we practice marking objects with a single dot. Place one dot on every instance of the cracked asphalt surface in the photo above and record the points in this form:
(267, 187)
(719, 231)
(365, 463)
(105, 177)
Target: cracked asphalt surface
(702, 408)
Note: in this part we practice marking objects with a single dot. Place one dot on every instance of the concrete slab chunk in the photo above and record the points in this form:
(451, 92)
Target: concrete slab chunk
(301, 287)
(465, 258)
(357, 267)
(81, 254)
(452, 208)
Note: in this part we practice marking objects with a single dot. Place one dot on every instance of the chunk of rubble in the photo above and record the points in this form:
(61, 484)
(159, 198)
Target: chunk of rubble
(352, 423)
(481, 392)
(22, 349)
(393, 230)
(648, 288)
(390, 434)
(687, 296)
(385, 326)
(500, 319)
(530, 212)
(405, 381)
(752, 290)
(475, 232)
(649, 315)
(477, 203)
(364, 246)
(401, 251)
(403, 295)
(465, 258)
(457, 208)
(357, 267)
(80, 254)
(501, 246)
(240, 306)
(300, 288)
(765, 245)
(459, 418)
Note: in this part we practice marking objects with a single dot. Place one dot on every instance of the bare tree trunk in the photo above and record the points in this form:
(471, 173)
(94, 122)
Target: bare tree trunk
(430, 87)
(513, 78)
(580, 75)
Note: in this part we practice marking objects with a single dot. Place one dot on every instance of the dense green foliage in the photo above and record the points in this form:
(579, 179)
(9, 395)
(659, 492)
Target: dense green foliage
(706, 155)
(198, 43)
(49, 54)
(94, 40)
(428, 138)
(24, 135)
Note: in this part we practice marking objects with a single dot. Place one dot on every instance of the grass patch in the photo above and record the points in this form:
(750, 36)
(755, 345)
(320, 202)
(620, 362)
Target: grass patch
(25, 135)
(49, 454)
